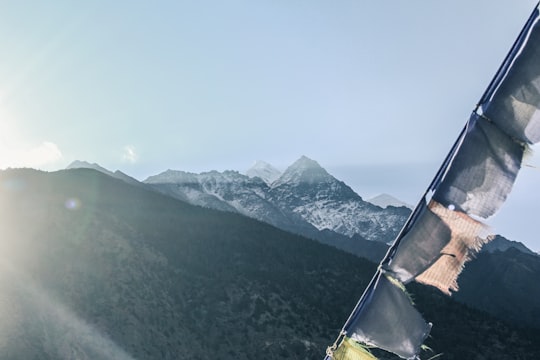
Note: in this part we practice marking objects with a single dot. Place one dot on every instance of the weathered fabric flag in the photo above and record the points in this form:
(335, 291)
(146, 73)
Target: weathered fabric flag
(513, 105)
(482, 172)
(436, 247)
(420, 246)
(466, 239)
(387, 319)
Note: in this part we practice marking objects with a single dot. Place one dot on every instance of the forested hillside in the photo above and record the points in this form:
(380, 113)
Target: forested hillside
(95, 268)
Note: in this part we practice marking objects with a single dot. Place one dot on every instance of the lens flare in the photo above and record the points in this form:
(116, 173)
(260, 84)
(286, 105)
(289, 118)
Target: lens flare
(72, 203)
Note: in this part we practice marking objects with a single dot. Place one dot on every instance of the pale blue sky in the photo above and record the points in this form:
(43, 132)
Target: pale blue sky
(375, 91)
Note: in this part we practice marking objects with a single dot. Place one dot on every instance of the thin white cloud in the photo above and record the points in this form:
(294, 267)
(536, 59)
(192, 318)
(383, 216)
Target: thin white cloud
(129, 154)
(41, 156)
(44, 154)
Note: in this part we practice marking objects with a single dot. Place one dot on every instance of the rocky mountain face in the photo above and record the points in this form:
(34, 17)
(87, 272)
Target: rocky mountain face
(305, 199)
(308, 190)
(92, 267)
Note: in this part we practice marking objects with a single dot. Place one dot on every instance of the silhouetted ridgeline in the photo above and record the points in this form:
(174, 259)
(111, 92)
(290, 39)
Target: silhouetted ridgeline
(95, 268)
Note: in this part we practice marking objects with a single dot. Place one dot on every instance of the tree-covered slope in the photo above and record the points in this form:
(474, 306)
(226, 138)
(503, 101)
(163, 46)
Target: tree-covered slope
(94, 268)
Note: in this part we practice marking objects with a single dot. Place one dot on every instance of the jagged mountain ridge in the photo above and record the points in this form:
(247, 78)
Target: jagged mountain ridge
(305, 198)
(307, 189)
(227, 191)
(217, 190)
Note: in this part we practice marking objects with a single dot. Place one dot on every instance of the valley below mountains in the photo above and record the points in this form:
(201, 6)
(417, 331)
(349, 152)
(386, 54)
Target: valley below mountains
(97, 265)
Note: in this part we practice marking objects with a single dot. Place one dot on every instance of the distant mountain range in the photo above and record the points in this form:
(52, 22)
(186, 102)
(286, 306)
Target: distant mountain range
(306, 200)
(95, 268)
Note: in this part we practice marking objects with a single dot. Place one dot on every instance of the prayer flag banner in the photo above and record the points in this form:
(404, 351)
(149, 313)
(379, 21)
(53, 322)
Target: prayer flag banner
(444, 232)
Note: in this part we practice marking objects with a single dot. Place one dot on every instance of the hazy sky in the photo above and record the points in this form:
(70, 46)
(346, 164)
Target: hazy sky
(375, 91)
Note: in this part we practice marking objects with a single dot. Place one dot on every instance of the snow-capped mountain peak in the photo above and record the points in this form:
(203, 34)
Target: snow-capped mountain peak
(265, 171)
(303, 170)
(304, 163)
(305, 199)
